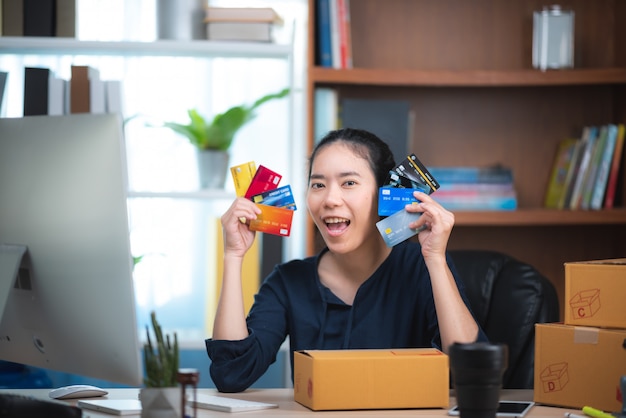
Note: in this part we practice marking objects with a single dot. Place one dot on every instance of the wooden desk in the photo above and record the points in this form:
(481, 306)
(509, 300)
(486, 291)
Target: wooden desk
(287, 407)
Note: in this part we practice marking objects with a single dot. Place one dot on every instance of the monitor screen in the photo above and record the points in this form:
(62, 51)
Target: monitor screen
(66, 287)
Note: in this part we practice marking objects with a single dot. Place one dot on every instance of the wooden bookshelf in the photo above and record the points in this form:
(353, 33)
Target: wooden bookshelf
(466, 69)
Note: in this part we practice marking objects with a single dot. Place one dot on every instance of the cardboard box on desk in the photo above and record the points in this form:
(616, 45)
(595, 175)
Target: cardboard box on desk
(371, 379)
(578, 366)
(594, 293)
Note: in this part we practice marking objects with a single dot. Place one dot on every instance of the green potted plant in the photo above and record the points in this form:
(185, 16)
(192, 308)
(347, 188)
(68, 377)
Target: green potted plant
(160, 395)
(214, 138)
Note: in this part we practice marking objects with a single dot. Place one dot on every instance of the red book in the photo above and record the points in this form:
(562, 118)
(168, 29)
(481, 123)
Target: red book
(345, 41)
(615, 165)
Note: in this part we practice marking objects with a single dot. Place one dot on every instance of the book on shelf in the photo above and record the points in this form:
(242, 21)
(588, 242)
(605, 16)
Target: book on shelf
(589, 136)
(44, 93)
(36, 90)
(326, 111)
(604, 167)
(389, 119)
(323, 47)
(478, 201)
(86, 90)
(589, 181)
(114, 102)
(242, 14)
(335, 51)
(57, 96)
(570, 179)
(13, 18)
(611, 187)
(475, 188)
(3, 86)
(345, 36)
(65, 18)
(339, 33)
(467, 174)
(240, 31)
(557, 182)
(254, 24)
(39, 18)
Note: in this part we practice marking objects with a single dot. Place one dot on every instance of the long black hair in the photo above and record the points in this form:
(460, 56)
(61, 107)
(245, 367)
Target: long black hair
(363, 143)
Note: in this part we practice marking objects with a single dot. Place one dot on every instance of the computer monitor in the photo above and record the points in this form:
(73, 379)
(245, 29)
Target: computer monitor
(66, 289)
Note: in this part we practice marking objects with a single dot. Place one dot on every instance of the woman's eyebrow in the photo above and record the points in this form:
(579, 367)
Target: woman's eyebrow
(342, 174)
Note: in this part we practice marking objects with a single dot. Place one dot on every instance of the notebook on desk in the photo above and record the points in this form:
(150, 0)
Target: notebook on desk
(112, 406)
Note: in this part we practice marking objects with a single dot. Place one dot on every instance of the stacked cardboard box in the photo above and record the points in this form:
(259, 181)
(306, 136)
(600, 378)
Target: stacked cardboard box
(580, 362)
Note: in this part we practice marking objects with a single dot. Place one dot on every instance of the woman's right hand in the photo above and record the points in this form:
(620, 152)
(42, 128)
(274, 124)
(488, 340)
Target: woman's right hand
(238, 238)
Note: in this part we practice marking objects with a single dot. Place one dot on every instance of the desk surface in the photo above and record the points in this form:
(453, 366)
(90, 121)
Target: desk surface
(287, 407)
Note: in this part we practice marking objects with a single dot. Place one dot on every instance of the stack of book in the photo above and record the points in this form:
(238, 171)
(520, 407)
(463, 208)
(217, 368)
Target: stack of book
(85, 92)
(585, 171)
(475, 188)
(333, 34)
(241, 23)
(38, 18)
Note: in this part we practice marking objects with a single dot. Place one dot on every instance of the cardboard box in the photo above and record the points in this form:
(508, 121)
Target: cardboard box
(579, 366)
(594, 293)
(371, 379)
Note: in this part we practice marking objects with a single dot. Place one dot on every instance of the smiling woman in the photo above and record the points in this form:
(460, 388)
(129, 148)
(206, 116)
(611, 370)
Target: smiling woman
(357, 292)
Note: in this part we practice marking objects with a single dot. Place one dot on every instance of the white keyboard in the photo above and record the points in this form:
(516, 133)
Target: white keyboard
(224, 404)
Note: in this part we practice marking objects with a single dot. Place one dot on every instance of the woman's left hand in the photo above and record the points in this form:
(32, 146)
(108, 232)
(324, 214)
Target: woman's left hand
(436, 223)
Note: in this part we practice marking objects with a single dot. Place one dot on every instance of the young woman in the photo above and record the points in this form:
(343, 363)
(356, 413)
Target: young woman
(356, 293)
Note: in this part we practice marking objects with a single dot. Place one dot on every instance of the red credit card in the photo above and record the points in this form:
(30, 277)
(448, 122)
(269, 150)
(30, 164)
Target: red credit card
(264, 179)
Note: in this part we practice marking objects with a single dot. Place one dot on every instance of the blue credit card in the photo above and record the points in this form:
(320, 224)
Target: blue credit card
(392, 200)
(281, 197)
(395, 228)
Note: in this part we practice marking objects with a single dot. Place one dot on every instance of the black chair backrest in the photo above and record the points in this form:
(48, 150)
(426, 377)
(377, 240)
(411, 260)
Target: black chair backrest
(508, 297)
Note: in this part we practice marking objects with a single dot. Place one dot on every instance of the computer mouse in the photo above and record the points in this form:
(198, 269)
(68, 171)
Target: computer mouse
(77, 391)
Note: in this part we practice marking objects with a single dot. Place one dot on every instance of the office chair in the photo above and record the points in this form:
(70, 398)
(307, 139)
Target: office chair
(508, 297)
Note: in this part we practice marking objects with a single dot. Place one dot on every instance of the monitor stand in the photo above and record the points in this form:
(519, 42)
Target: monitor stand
(12, 258)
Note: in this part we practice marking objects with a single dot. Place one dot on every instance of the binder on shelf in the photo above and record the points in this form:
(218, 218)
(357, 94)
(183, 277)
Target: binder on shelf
(36, 85)
(39, 18)
(391, 120)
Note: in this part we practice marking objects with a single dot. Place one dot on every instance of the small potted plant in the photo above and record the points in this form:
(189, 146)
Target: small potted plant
(160, 396)
(214, 138)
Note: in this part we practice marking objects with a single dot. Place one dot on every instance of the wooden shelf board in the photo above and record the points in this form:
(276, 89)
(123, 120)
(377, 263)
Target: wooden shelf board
(470, 78)
(548, 217)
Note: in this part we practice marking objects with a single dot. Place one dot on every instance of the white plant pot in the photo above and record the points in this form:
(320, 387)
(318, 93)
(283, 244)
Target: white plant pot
(212, 168)
(160, 402)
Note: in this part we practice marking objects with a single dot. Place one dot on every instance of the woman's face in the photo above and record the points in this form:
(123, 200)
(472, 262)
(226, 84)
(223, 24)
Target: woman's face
(342, 198)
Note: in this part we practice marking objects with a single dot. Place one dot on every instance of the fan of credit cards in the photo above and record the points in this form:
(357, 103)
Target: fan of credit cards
(261, 185)
(397, 192)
